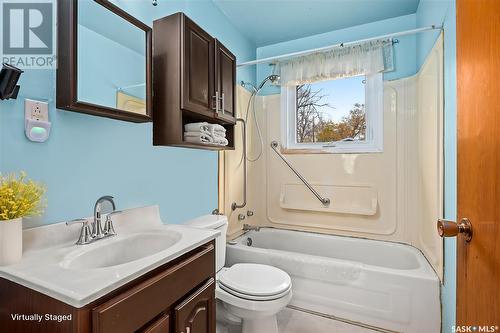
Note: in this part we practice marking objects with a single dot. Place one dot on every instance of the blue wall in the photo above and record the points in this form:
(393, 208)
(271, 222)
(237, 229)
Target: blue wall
(430, 12)
(87, 156)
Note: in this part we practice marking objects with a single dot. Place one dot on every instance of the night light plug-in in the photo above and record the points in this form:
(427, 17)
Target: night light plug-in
(36, 120)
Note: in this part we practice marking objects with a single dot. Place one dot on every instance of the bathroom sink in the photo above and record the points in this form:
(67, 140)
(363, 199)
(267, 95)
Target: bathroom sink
(120, 251)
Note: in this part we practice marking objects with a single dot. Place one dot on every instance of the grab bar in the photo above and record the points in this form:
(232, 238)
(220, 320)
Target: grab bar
(324, 201)
(234, 205)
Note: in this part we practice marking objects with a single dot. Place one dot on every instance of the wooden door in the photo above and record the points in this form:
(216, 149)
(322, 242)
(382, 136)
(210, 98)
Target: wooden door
(226, 81)
(478, 89)
(198, 80)
(197, 313)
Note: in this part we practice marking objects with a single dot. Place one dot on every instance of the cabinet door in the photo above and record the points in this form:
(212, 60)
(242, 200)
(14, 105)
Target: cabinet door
(160, 325)
(198, 81)
(133, 308)
(196, 314)
(226, 82)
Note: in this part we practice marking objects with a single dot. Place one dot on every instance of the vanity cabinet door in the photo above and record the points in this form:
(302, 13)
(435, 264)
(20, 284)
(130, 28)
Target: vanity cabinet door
(226, 81)
(155, 295)
(160, 325)
(196, 314)
(198, 83)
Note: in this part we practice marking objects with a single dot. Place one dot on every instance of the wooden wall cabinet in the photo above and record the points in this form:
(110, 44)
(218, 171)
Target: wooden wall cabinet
(194, 79)
(176, 297)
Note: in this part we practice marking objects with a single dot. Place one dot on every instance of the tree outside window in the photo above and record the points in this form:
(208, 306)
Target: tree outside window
(315, 125)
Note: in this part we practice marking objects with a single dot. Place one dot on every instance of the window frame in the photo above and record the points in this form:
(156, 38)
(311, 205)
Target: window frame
(374, 113)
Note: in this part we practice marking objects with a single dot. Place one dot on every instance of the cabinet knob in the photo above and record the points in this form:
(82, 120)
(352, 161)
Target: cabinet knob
(448, 228)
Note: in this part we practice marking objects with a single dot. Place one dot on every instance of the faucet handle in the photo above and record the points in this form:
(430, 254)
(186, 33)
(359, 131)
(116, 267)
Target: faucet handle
(75, 221)
(109, 230)
(85, 233)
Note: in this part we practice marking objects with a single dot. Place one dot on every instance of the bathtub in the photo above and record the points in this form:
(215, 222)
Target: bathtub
(380, 284)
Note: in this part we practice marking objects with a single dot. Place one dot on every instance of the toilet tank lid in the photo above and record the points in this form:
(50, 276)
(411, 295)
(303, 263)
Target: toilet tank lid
(208, 221)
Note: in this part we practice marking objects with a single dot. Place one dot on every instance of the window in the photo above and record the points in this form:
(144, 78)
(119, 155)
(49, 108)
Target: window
(343, 115)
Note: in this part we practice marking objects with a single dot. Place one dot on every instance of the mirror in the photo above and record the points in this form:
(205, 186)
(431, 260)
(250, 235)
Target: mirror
(104, 64)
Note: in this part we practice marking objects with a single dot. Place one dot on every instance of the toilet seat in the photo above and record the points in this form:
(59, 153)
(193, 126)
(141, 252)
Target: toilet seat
(254, 281)
(253, 297)
(246, 305)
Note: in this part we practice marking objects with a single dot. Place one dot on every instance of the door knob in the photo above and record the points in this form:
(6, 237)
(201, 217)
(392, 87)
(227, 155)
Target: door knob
(448, 228)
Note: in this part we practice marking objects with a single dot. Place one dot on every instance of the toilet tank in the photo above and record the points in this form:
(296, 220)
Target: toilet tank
(214, 222)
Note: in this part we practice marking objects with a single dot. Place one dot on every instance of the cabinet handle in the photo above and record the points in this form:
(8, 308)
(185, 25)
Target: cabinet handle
(222, 100)
(216, 97)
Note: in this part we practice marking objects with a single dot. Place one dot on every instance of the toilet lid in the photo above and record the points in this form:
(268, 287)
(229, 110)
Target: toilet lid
(252, 297)
(255, 280)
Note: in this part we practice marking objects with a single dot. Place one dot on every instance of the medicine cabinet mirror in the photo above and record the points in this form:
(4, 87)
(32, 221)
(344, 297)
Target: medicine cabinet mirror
(104, 61)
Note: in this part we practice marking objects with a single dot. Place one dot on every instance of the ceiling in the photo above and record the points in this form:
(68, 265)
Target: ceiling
(272, 21)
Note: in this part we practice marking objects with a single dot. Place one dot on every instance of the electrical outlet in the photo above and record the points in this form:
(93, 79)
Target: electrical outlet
(36, 110)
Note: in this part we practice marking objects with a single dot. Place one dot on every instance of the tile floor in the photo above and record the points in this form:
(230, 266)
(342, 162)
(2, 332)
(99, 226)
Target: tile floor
(294, 321)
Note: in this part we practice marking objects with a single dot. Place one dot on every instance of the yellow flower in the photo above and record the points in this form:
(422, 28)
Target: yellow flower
(20, 197)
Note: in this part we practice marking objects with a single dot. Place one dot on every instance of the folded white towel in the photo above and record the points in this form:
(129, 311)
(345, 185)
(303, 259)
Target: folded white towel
(218, 133)
(197, 127)
(220, 140)
(196, 134)
(198, 137)
(217, 128)
(204, 132)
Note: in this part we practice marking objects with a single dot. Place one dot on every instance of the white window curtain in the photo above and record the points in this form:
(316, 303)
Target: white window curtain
(363, 59)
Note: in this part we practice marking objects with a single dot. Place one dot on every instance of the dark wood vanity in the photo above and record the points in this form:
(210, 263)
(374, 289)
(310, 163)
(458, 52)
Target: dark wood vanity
(178, 297)
(194, 80)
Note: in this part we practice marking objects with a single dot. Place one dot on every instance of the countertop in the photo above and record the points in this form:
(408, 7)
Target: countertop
(47, 248)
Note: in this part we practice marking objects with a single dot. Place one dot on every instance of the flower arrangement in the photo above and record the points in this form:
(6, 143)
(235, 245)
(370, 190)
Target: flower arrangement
(20, 197)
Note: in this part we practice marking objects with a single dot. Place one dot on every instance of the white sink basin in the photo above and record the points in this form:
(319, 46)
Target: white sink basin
(113, 252)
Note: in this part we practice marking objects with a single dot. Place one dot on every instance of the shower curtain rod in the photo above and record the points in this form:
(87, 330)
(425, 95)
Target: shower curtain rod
(330, 47)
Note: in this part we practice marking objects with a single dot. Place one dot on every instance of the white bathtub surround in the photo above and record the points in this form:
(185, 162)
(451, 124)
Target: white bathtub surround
(79, 274)
(11, 241)
(380, 284)
(394, 195)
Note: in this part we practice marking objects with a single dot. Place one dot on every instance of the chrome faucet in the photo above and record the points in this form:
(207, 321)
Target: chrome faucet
(97, 232)
(89, 234)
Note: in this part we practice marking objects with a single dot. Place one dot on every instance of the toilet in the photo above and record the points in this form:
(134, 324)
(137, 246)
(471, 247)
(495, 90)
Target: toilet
(250, 294)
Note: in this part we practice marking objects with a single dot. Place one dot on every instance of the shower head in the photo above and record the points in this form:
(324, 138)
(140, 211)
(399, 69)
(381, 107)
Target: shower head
(273, 78)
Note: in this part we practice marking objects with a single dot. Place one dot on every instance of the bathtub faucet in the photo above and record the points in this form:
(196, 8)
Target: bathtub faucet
(248, 227)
